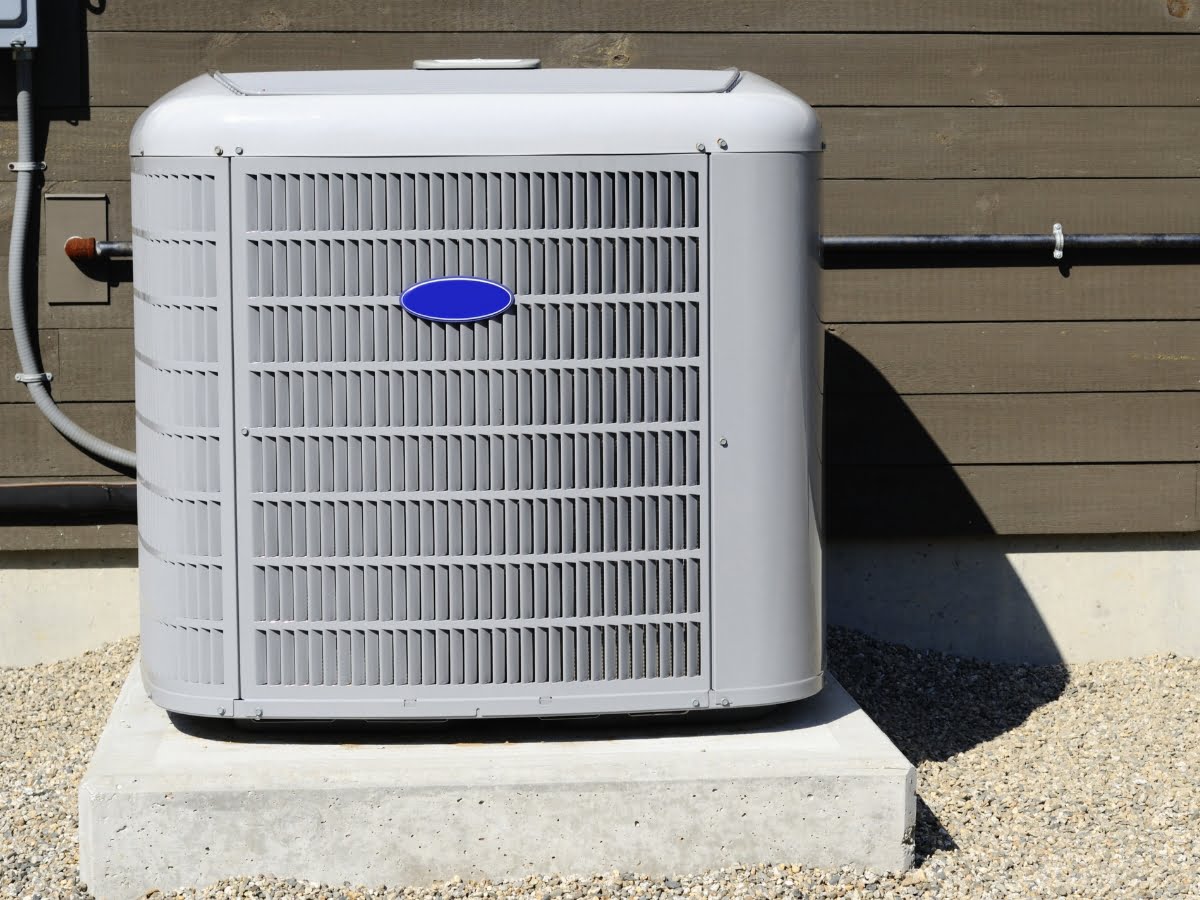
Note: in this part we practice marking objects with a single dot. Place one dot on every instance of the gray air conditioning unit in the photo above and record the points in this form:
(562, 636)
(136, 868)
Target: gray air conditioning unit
(477, 393)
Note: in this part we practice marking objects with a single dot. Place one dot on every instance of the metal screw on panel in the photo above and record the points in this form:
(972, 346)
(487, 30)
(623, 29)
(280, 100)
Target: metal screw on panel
(722, 144)
(237, 150)
(724, 442)
(220, 710)
(245, 432)
(258, 715)
(700, 147)
(724, 701)
(219, 151)
(695, 704)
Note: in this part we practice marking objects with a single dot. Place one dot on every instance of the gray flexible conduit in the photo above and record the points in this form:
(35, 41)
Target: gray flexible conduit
(27, 345)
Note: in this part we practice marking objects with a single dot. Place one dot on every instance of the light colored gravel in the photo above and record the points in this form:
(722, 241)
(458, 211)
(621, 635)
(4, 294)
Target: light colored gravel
(1034, 781)
(50, 718)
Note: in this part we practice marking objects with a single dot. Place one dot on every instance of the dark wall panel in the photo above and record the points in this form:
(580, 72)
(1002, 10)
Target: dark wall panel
(1012, 400)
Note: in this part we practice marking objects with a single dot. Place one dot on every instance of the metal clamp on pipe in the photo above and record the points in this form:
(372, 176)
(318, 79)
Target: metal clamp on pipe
(34, 377)
(87, 249)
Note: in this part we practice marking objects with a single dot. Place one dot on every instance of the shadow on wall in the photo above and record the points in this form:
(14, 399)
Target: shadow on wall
(931, 705)
(887, 478)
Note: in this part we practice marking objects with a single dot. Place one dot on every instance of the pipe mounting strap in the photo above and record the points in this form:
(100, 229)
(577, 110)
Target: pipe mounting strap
(34, 377)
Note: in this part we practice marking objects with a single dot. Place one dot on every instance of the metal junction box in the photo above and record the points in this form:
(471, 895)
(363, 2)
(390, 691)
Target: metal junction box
(18, 22)
(601, 495)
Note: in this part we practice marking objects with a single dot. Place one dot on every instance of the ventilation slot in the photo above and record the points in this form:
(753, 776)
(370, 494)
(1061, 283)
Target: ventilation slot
(382, 267)
(546, 330)
(474, 201)
(477, 656)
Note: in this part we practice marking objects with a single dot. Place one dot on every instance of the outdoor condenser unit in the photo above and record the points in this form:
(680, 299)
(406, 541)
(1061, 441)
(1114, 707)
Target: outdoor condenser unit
(484, 392)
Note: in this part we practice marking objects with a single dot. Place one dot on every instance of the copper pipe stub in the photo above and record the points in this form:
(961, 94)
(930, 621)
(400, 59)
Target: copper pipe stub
(82, 250)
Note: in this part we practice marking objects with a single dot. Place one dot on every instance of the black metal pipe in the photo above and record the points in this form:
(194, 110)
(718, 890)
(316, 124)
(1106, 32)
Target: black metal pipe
(957, 250)
(68, 503)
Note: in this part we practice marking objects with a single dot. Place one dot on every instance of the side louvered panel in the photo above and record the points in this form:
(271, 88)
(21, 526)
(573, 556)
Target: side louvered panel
(514, 508)
(185, 460)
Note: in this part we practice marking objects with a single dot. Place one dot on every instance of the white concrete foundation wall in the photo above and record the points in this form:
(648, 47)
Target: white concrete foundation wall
(58, 604)
(1028, 599)
(1032, 599)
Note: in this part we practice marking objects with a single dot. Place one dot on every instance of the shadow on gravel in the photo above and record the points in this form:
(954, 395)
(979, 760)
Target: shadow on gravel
(933, 705)
(930, 836)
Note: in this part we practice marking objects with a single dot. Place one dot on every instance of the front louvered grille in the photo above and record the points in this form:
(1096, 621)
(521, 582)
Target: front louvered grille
(508, 503)
(472, 201)
(489, 655)
(182, 341)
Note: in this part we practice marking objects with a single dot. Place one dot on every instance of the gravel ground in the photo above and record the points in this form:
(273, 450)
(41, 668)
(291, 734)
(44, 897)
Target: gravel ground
(1034, 782)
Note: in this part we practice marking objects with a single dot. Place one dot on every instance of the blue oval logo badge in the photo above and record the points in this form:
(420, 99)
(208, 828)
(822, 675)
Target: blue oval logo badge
(457, 298)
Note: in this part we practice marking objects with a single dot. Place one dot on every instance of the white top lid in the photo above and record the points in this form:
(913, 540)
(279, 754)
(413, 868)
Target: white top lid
(481, 80)
(476, 112)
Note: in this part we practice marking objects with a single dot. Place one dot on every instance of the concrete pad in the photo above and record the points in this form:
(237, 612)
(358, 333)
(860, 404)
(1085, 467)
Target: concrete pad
(169, 805)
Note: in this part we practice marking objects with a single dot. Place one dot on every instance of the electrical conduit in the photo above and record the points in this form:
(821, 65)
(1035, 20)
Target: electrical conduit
(27, 349)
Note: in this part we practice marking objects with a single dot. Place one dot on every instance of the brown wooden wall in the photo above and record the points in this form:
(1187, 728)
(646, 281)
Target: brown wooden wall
(958, 400)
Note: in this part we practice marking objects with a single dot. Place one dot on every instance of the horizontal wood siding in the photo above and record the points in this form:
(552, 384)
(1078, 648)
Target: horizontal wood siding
(958, 400)
(1038, 499)
(1003, 429)
(32, 449)
(1149, 16)
(1013, 357)
(826, 69)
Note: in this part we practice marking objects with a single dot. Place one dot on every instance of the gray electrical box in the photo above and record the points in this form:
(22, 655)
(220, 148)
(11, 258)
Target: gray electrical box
(18, 22)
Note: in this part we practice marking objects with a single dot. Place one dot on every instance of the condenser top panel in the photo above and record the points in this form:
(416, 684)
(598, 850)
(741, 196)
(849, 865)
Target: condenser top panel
(476, 112)
(482, 81)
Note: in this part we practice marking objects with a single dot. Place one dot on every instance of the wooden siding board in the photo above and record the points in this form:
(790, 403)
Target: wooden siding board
(978, 429)
(95, 148)
(1009, 142)
(95, 364)
(1090, 292)
(895, 142)
(995, 205)
(136, 68)
(33, 449)
(1036, 499)
(11, 390)
(1037, 357)
(1147, 16)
